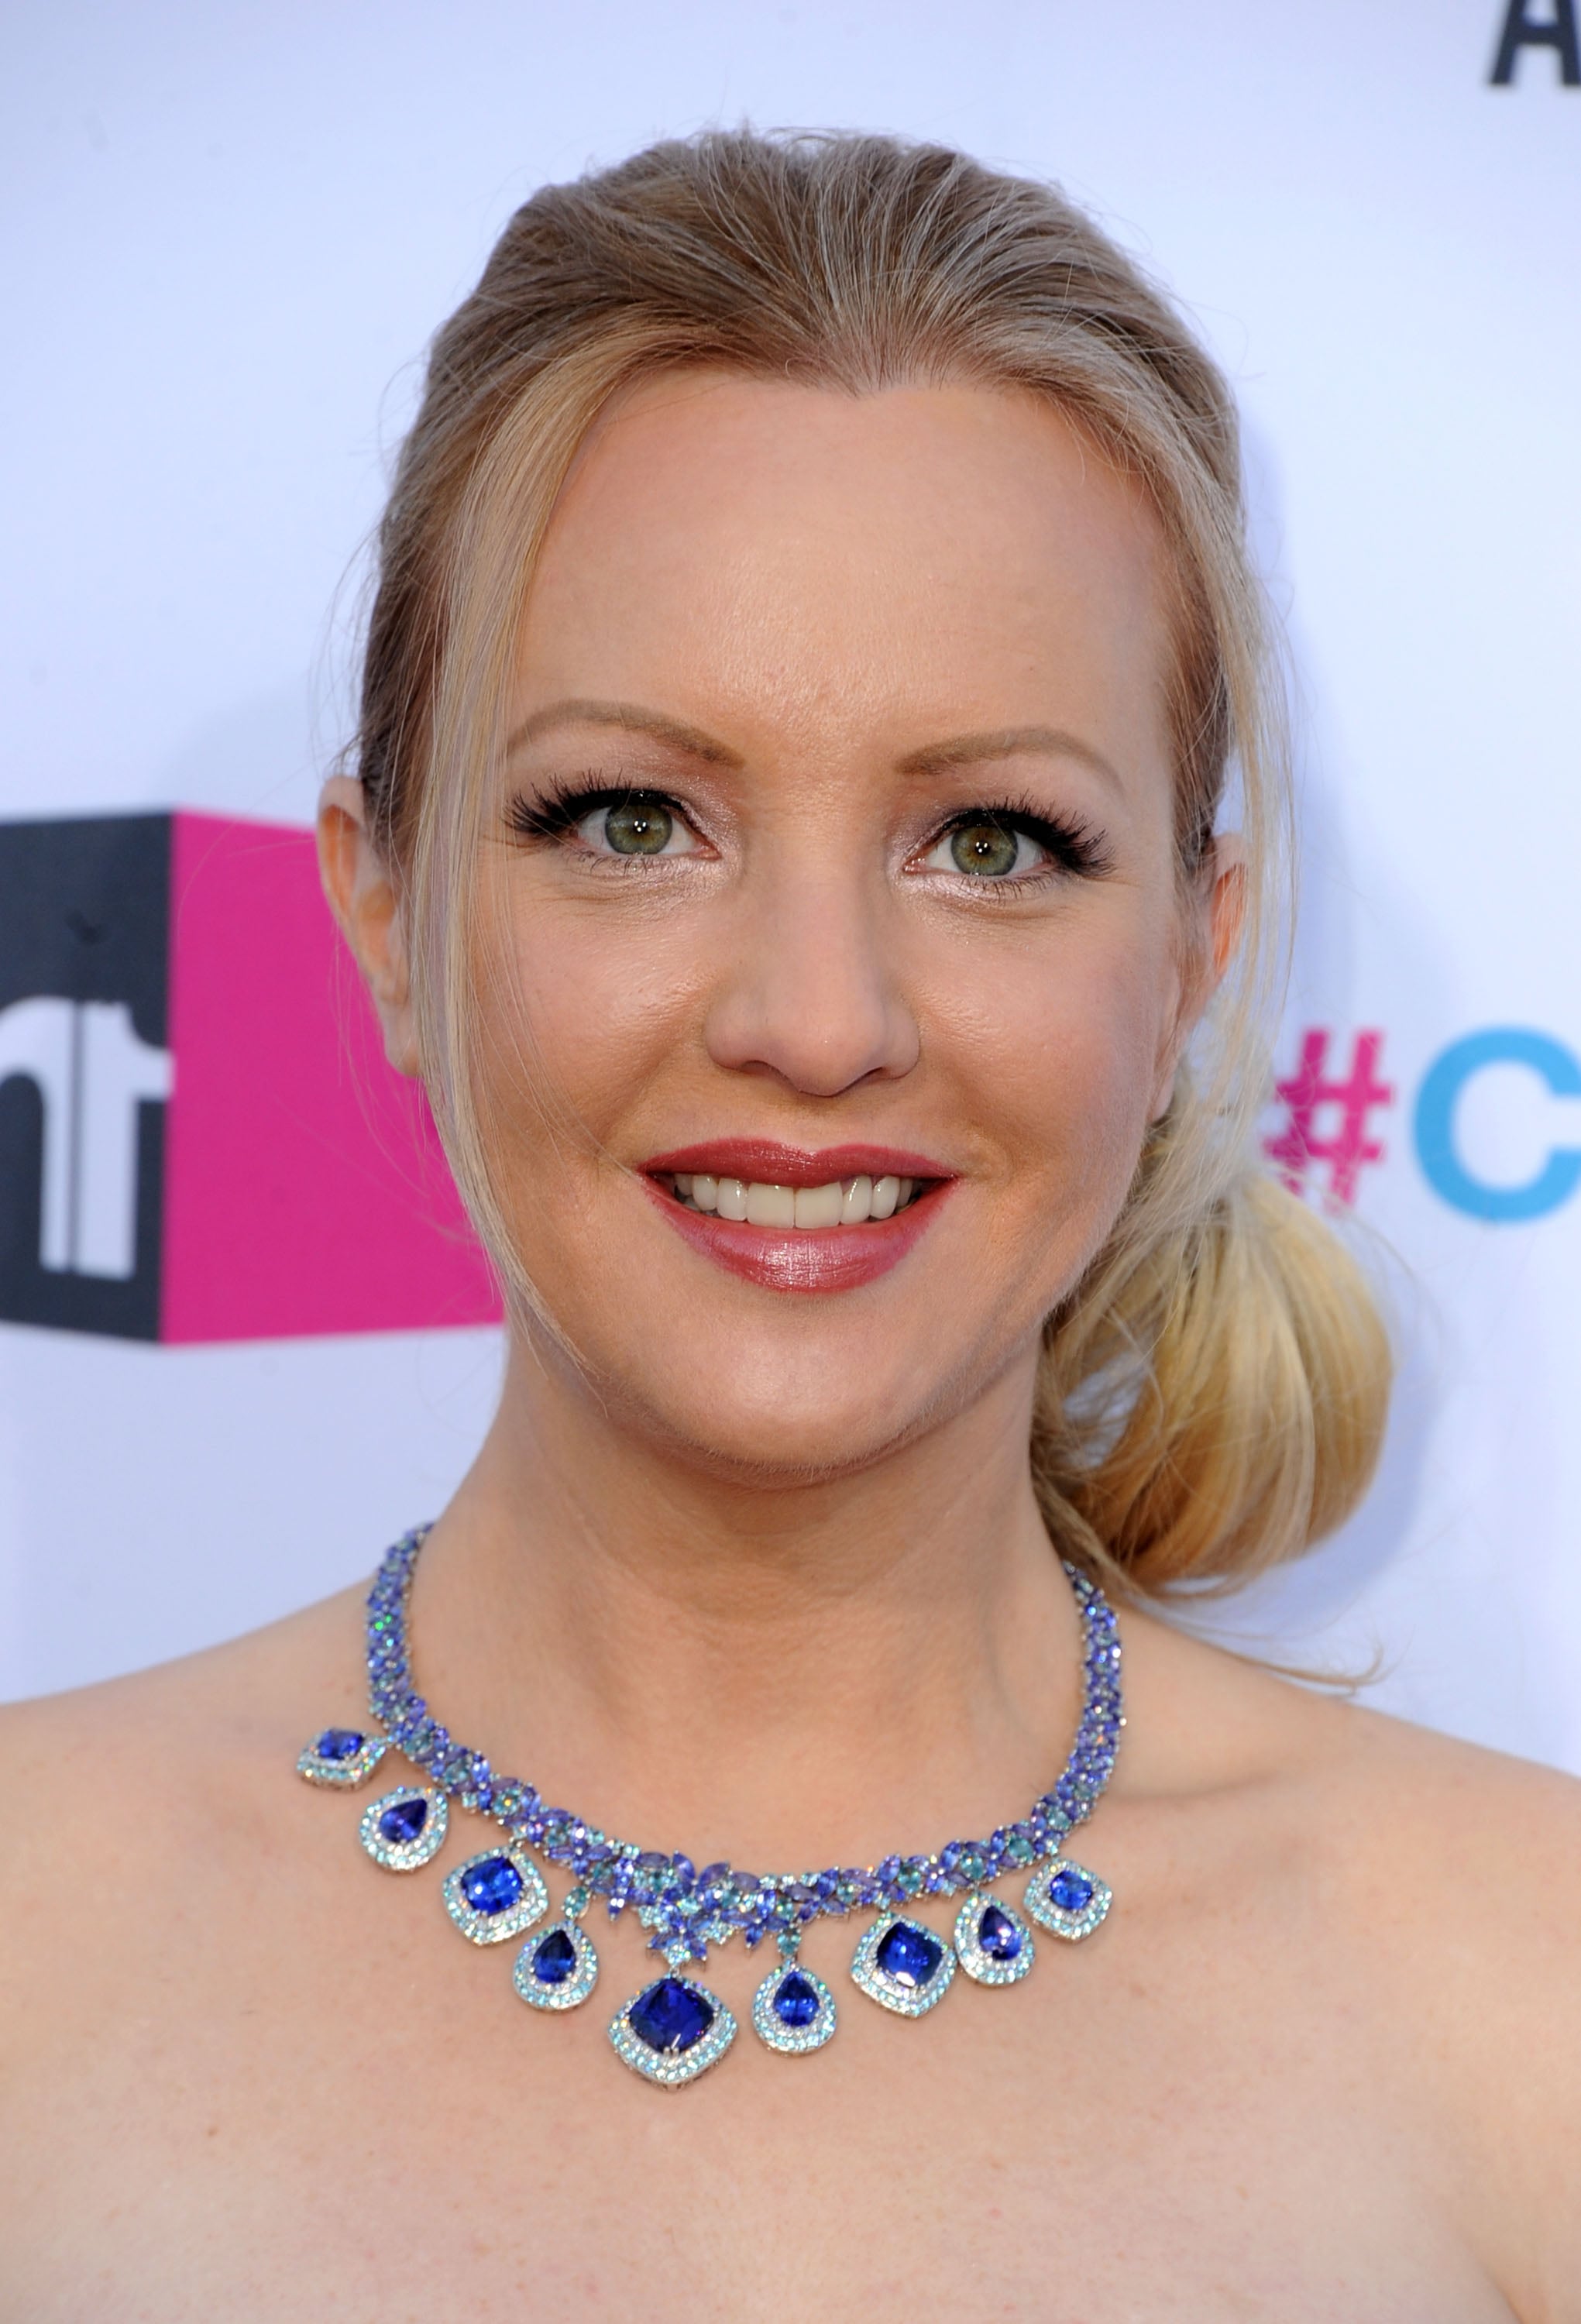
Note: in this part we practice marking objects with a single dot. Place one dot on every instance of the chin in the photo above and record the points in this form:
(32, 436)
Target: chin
(766, 1412)
(781, 1446)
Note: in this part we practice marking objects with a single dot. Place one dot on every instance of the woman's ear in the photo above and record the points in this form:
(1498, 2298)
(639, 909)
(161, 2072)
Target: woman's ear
(1220, 901)
(367, 906)
(1226, 903)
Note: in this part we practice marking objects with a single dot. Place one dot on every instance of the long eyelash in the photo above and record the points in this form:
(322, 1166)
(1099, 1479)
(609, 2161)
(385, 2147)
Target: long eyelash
(1075, 845)
(561, 807)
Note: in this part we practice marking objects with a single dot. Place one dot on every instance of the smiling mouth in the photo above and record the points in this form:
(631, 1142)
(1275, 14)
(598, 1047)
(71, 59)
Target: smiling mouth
(854, 1202)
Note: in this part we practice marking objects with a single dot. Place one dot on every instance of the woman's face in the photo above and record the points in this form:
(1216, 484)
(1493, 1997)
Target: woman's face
(834, 849)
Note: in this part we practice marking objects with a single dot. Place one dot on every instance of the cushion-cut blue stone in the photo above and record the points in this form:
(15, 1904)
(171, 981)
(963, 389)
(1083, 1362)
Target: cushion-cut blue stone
(338, 1743)
(491, 1886)
(998, 1935)
(670, 2016)
(1071, 1892)
(402, 1824)
(555, 1959)
(908, 1955)
(795, 2000)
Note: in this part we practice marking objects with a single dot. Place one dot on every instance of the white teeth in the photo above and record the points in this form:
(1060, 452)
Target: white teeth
(819, 1206)
(770, 1206)
(856, 1201)
(843, 1202)
(885, 1195)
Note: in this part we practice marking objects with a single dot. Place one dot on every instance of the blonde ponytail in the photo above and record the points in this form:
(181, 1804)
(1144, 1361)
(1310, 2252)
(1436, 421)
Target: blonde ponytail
(1214, 1402)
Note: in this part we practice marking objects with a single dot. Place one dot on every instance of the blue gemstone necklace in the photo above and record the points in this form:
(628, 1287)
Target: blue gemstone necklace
(675, 2028)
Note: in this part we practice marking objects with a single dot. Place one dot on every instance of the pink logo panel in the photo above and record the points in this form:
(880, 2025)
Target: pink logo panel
(305, 1190)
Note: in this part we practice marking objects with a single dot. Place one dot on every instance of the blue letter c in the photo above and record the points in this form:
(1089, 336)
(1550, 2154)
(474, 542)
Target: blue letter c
(1447, 1077)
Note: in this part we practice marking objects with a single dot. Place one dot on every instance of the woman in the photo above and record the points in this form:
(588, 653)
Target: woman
(812, 628)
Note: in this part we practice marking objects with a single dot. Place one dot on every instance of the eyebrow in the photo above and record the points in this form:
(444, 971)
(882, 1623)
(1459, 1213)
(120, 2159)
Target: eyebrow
(1007, 742)
(630, 718)
(932, 758)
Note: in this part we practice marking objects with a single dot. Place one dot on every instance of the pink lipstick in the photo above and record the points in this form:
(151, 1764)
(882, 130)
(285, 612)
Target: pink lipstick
(792, 1218)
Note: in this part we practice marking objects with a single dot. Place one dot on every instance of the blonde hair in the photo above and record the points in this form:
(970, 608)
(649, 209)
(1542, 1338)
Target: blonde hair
(1211, 1395)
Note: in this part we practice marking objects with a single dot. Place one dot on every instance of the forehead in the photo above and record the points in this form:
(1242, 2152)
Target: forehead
(747, 550)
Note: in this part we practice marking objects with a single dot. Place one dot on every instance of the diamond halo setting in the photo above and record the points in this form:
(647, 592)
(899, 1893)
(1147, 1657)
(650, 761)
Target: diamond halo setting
(793, 2010)
(993, 1943)
(673, 2031)
(903, 1965)
(340, 1758)
(495, 1894)
(404, 1828)
(557, 1968)
(1067, 1899)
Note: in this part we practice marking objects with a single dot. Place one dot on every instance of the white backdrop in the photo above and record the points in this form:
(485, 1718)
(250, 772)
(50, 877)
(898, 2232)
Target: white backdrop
(228, 233)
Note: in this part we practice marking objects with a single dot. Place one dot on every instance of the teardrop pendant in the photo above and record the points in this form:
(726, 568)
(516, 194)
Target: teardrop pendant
(557, 1968)
(992, 1941)
(405, 1828)
(793, 2010)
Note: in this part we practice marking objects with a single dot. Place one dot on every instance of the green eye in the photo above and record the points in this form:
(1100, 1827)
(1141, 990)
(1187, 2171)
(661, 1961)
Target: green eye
(639, 827)
(985, 848)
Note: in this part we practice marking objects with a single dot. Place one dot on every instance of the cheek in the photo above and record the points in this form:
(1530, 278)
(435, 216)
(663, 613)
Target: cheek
(1062, 1059)
(581, 1008)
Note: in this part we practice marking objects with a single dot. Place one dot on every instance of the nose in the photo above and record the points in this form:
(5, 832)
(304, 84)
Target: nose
(813, 992)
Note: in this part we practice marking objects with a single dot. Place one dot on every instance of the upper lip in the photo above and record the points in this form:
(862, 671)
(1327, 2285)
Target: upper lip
(765, 1161)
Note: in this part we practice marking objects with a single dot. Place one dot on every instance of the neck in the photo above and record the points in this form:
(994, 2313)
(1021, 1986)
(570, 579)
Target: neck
(774, 1672)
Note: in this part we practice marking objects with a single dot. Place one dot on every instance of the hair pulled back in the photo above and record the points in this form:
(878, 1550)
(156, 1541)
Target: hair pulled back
(1211, 1395)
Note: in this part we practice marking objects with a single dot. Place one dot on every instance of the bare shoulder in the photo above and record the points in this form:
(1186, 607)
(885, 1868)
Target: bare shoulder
(227, 1697)
(111, 1789)
(1444, 1882)
(1428, 1815)
(1469, 1862)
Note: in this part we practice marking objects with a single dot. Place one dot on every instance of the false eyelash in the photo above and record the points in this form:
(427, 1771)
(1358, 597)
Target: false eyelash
(1074, 845)
(562, 805)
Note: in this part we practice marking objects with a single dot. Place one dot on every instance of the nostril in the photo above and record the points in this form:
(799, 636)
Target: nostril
(828, 1026)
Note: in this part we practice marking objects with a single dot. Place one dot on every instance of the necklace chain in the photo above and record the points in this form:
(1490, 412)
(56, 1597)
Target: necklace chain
(687, 1910)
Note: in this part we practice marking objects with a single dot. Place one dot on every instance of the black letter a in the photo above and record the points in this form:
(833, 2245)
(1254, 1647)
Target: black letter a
(1520, 33)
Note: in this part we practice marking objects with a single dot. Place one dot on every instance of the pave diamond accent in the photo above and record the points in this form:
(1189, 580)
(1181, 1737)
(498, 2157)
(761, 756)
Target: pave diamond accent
(793, 2010)
(495, 1894)
(662, 2007)
(544, 1977)
(903, 1965)
(405, 1828)
(327, 1760)
(992, 1941)
(1067, 1899)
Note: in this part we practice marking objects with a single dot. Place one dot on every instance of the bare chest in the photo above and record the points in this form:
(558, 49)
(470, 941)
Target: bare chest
(320, 2100)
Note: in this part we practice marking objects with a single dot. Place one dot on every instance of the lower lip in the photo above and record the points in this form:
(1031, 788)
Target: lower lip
(814, 1258)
